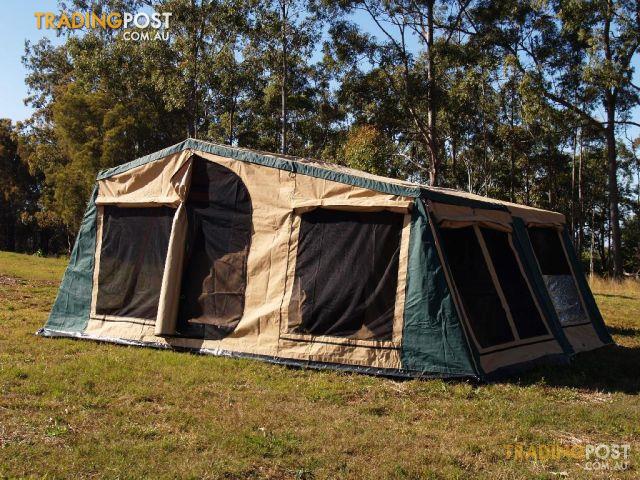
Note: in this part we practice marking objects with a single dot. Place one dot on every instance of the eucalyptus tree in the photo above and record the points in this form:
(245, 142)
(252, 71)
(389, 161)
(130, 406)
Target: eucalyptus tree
(412, 39)
(205, 36)
(577, 56)
(283, 41)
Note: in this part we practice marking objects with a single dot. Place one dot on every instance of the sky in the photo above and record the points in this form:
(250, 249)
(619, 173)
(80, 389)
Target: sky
(18, 24)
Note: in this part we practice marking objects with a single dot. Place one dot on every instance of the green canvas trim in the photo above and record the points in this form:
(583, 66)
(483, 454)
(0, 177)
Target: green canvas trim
(70, 312)
(433, 339)
(294, 166)
(523, 247)
(152, 157)
(272, 161)
(458, 200)
(594, 313)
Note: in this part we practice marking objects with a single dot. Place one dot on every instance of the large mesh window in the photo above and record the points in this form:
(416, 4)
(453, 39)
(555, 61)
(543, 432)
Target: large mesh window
(487, 317)
(346, 274)
(524, 312)
(557, 275)
(219, 235)
(132, 257)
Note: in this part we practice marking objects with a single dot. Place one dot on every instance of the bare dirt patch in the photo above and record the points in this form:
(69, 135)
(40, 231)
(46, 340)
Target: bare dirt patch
(11, 281)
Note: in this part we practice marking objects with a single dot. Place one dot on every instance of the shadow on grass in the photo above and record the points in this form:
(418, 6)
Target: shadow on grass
(624, 331)
(613, 368)
(612, 295)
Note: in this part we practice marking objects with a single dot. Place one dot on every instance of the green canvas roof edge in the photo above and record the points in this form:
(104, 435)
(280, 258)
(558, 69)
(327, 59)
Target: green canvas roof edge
(270, 160)
(452, 199)
(165, 152)
(297, 165)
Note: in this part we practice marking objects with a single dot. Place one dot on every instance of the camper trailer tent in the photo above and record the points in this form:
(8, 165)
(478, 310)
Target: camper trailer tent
(233, 252)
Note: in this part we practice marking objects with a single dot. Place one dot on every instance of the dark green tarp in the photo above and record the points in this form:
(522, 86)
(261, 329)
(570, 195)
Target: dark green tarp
(432, 340)
(70, 312)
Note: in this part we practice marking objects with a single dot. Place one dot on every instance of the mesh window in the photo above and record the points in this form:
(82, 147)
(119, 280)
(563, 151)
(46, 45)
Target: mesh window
(549, 252)
(487, 317)
(132, 258)
(524, 312)
(346, 274)
(218, 239)
(557, 275)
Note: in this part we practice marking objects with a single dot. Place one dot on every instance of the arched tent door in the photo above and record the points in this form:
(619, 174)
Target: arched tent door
(214, 280)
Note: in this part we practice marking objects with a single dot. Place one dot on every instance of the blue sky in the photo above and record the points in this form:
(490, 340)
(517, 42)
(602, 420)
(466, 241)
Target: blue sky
(18, 24)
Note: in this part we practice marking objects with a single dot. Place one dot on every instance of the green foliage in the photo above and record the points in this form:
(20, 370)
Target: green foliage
(19, 192)
(631, 244)
(12, 171)
(368, 149)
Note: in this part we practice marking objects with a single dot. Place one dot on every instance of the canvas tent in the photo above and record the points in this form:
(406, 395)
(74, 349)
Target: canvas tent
(228, 251)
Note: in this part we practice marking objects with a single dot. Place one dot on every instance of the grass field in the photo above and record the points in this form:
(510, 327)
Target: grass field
(82, 409)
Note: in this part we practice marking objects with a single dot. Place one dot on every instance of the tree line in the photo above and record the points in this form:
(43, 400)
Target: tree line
(524, 100)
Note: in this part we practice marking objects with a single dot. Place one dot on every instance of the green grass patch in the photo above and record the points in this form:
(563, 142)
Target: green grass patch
(83, 409)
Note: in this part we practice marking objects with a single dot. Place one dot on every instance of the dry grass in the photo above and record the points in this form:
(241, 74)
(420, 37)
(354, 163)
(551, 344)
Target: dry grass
(81, 409)
(627, 286)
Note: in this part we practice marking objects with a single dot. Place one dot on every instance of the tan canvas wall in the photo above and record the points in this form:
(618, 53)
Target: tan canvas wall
(275, 196)
(524, 353)
(582, 337)
(535, 216)
(170, 291)
(530, 215)
(454, 216)
(161, 182)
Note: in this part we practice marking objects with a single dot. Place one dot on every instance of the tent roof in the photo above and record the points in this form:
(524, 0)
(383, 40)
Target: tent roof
(337, 173)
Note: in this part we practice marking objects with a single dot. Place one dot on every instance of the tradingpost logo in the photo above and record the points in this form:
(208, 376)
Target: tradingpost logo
(134, 26)
(590, 456)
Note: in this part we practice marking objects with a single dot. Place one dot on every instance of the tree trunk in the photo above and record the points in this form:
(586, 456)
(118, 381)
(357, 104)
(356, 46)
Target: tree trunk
(573, 189)
(610, 100)
(434, 161)
(70, 242)
(612, 167)
(527, 183)
(512, 187)
(454, 163)
(283, 85)
(604, 261)
(45, 236)
(10, 219)
(231, 121)
(593, 241)
(580, 199)
(193, 94)
(552, 180)
(512, 153)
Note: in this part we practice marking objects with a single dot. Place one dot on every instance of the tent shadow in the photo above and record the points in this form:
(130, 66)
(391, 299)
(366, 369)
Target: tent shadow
(623, 331)
(611, 369)
(613, 295)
